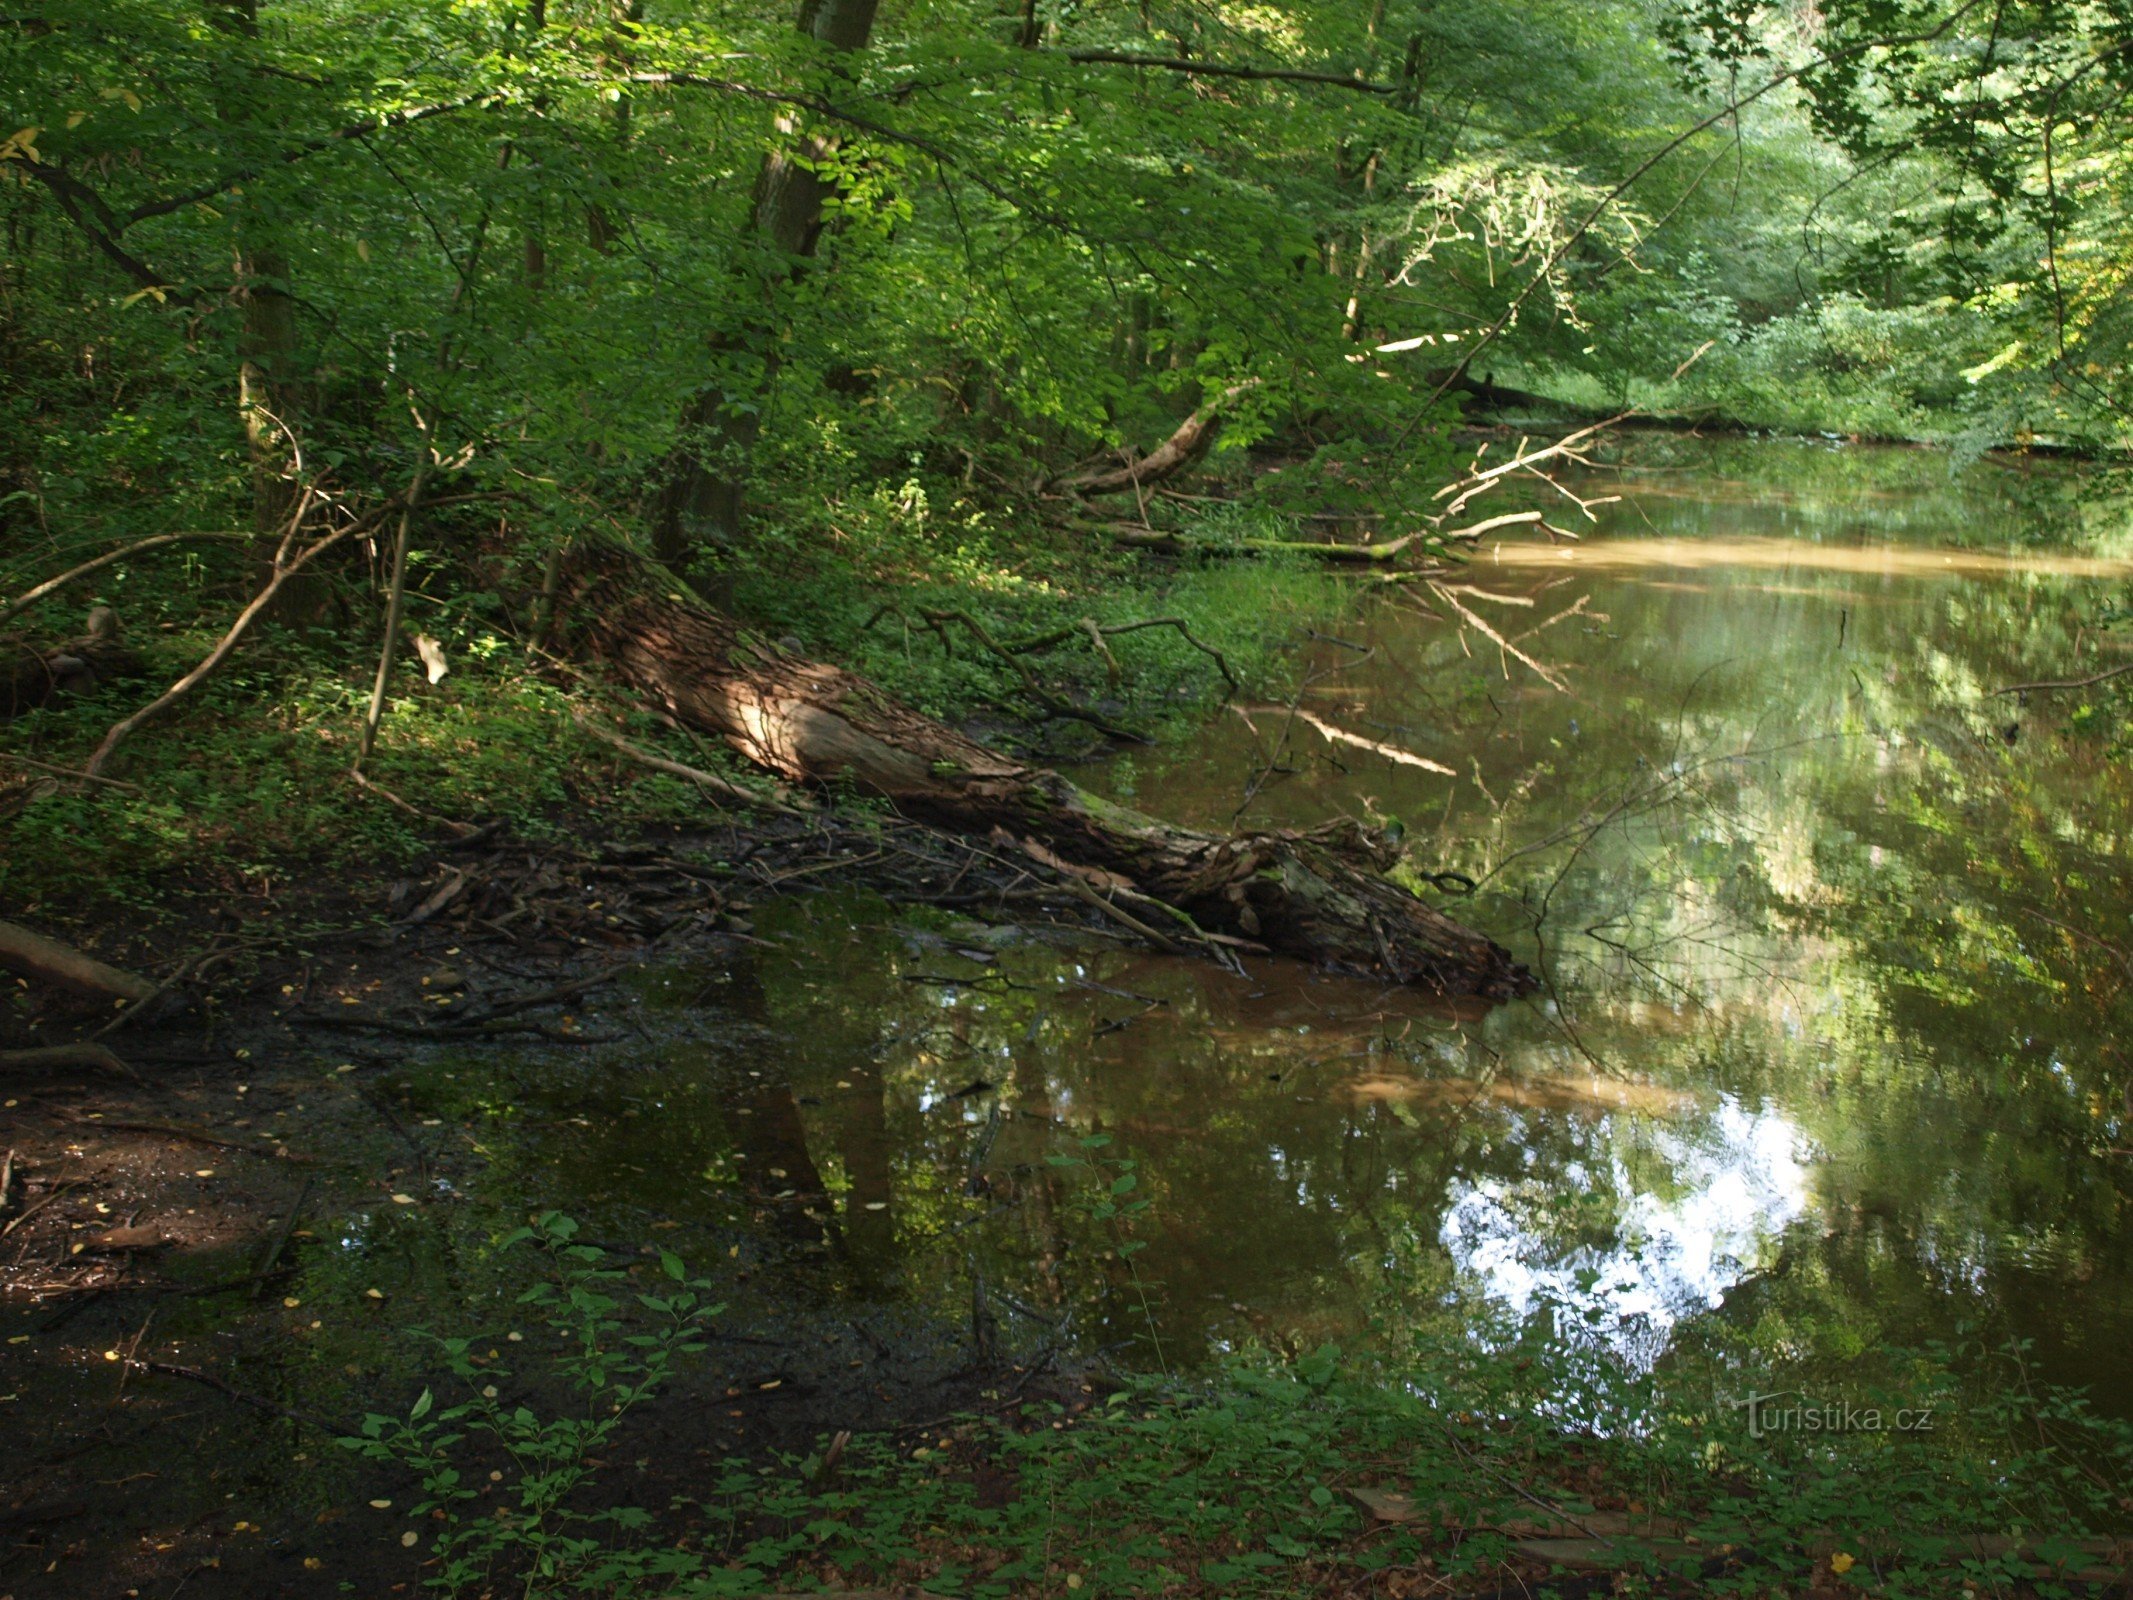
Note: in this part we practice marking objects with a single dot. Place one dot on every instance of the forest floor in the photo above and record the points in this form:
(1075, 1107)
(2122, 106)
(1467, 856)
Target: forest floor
(189, 1336)
(158, 1212)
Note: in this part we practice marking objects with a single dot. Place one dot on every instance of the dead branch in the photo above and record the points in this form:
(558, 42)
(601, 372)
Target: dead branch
(29, 597)
(1052, 703)
(1567, 612)
(67, 772)
(1391, 752)
(62, 1055)
(395, 596)
(696, 775)
(2066, 683)
(1462, 490)
(32, 955)
(1553, 679)
(285, 568)
(1383, 552)
(1096, 635)
(1180, 449)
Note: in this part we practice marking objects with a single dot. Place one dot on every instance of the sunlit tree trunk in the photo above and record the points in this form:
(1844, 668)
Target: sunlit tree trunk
(701, 499)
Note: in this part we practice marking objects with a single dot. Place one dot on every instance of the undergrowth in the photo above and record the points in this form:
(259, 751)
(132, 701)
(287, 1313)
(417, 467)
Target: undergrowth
(1438, 1468)
(245, 784)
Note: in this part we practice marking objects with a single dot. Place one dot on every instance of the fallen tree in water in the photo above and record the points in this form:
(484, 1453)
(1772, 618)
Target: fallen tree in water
(1322, 895)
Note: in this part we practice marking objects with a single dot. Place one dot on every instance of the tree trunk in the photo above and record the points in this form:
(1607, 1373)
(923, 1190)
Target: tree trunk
(1321, 895)
(269, 390)
(701, 499)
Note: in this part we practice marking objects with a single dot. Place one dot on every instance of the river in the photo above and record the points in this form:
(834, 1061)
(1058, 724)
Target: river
(1834, 943)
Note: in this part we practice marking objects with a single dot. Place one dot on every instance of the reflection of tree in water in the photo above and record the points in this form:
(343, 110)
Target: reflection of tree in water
(1802, 903)
(1785, 843)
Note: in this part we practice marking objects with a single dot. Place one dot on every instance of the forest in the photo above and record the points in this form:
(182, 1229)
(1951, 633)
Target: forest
(1066, 796)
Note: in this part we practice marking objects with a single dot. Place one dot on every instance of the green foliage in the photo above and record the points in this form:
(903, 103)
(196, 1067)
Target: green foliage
(250, 780)
(538, 1533)
(1462, 1444)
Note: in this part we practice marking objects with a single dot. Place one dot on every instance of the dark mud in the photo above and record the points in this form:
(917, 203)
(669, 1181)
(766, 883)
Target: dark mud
(212, 1263)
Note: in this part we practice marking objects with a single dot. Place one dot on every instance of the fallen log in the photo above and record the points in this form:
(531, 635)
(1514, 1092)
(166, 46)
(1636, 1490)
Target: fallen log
(1321, 895)
(31, 677)
(58, 1056)
(32, 955)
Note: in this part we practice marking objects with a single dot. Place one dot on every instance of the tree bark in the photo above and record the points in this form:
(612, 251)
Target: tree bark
(1320, 895)
(269, 389)
(700, 501)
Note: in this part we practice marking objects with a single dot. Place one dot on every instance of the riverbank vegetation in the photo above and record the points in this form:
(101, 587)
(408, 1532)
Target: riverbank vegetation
(480, 470)
(885, 316)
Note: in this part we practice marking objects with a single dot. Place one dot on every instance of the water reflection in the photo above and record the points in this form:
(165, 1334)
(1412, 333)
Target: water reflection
(1835, 944)
(1740, 1178)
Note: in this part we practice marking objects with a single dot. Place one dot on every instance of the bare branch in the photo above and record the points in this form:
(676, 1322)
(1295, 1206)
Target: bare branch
(28, 598)
(1216, 69)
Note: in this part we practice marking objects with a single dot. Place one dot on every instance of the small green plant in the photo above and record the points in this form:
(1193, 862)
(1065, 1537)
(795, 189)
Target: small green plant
(538, 1535)
(1116, 1201)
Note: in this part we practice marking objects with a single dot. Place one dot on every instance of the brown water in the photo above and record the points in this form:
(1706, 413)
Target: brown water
(1836, 948)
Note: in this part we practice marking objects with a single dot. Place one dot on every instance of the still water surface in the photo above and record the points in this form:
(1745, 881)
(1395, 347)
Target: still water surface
(1835, 945)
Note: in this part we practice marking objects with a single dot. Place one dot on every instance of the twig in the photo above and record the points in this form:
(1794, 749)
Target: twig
(395, 597)
(1499, 640)
(133, 1349)
(67, 772)
(1082, 892)
(1391, 752)
(63, 1055)
(2065, 683)
(265, 1269)
(28, 1212)
(697, 775)
(1036, 691)
(171, 1370)
(1098, 634)
(30, 597)
(462, 831)
(542, 997)
(283, 571)
(172, 1130)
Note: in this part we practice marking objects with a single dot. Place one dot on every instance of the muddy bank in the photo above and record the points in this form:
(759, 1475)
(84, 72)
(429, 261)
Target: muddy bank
(213, 1259)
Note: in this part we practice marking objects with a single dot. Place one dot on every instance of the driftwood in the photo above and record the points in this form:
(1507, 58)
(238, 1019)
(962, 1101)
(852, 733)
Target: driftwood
(1321, 895)
(31, 677)
(34, 956)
